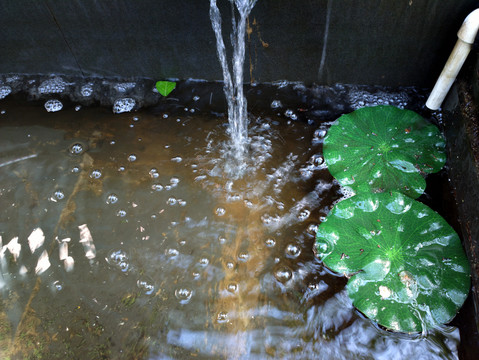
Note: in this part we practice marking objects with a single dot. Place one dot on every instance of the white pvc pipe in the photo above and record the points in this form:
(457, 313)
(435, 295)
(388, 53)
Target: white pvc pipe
(466, 36)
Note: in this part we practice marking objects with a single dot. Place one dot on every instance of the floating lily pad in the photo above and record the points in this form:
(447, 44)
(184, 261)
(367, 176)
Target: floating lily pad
(407, 267)
(165, 87)
(384, 148)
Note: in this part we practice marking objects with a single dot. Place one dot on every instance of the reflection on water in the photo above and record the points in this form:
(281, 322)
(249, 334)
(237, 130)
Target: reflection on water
(123, 238)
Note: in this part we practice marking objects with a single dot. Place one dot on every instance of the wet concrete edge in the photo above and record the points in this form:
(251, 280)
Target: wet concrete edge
(461, 125)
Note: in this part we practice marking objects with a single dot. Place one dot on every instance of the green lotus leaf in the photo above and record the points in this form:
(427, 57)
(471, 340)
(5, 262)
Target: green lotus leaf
(165, 87)
(383, 148)
(406, 266)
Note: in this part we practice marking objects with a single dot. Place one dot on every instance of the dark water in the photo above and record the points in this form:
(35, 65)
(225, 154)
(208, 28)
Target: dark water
(172, 255)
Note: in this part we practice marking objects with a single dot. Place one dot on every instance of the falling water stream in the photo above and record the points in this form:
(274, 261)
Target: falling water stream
(233, 80)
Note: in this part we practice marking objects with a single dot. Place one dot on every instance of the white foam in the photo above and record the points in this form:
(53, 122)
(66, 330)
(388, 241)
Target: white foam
(5, 91)
(52, 86)
(53, 105)
(360, 98)
(124, 87)
(123, 105)
(87, 90)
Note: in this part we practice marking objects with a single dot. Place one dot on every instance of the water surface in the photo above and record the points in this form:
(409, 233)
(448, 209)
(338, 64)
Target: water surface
(170, 254)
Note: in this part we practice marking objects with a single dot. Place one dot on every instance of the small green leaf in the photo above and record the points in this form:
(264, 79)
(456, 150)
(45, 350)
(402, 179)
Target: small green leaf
(407, 268)
(383, 148)
(165, 87)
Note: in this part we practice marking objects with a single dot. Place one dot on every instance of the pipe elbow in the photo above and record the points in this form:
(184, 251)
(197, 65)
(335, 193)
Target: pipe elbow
(469, 28)
(466, 36)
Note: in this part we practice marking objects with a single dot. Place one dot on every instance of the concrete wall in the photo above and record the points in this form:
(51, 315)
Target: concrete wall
(377, 42)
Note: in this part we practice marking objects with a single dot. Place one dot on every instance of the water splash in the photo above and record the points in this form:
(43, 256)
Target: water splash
(233, 81)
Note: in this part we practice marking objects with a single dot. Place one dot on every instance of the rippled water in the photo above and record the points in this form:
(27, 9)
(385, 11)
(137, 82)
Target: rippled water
(152, 250)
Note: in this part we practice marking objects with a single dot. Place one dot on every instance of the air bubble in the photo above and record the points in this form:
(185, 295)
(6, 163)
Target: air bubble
(283, 274)
(112, 199)
(121, 213)
(131, 157)
(146, 285)
(303, 214)
(319, 135)
(95, 174)
(136, 118)
(248, 204)
(184, 295)
(172, 253)
(78, 108)
(316, 160)
(293, 251)
(157, 187)
(196, 98)
(222, 317)
(232, 288)
(174, 180)
(312, 229)
(118, 259)
(204, 261)
(53, 105)
(75, 169)
(234, 197)
(290, 114)
(220, 211)
(270, 242)
(154, 173)
(59, 195)
(58, 286)
(275, 104)
(77, 149)
(243, 256)
(171, 201)
(269, 219)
